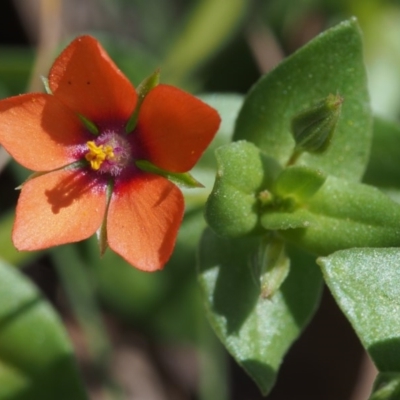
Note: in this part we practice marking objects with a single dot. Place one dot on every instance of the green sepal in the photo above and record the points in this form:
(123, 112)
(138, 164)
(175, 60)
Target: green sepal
(299, 183)
(74, 165)
(270, 265)
(102, 231)
(314, 127)
(142, 90)
(32, 176)
(183, 180)
(243, 173)
(46, 84)
(345, 214)
(89, 125)
(386, 386)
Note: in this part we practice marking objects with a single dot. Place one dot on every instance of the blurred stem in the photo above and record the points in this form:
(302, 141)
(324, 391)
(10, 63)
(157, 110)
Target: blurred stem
(78, 287)
(210, 25)
(213, 364)
(48, 40)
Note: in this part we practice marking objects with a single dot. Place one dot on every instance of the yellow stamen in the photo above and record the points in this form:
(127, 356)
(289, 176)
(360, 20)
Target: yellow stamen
(97, 154)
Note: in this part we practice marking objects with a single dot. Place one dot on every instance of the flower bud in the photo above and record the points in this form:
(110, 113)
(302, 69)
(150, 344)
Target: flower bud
(313, 128)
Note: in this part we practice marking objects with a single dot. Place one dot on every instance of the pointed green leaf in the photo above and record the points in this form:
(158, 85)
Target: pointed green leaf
(344, 214)
(366, 285)
(256, 331)
(233, 206)
(324, 66)
(36, 358)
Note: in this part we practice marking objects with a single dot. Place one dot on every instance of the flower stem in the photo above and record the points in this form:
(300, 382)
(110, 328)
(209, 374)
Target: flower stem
(79, 290)
(294, 157)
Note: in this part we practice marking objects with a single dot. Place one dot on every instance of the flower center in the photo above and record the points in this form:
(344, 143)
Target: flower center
(97, 154)
(109, 153)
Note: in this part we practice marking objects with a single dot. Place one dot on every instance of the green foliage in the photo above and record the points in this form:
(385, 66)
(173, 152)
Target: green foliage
(36, 359)
(386, 386)
(271, 189)
(210, 25)
(265, 190)
(257, 331)
(345, 214)
(15, 66)
(365, 284)
(299, 183)
(324, 66)
(383, 166)
(232, 208)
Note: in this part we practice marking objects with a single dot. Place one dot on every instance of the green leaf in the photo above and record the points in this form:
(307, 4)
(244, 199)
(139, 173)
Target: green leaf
(383, 168)
(386, 386)
(298, 182)
(233, 206)
(256, 331)
(366, 285)
(344, 214)
(36, 359)
(331, 63)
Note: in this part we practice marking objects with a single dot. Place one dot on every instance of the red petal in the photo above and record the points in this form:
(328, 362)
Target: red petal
(39, 131)
(143, 221)
(56, 208)
(86, 79)
(175, 128)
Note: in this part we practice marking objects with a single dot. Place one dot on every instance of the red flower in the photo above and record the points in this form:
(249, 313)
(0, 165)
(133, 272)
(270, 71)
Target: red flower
(91, 181)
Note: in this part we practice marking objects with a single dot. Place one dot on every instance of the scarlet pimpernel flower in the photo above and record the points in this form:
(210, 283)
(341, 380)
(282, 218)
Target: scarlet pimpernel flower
(102, 153)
